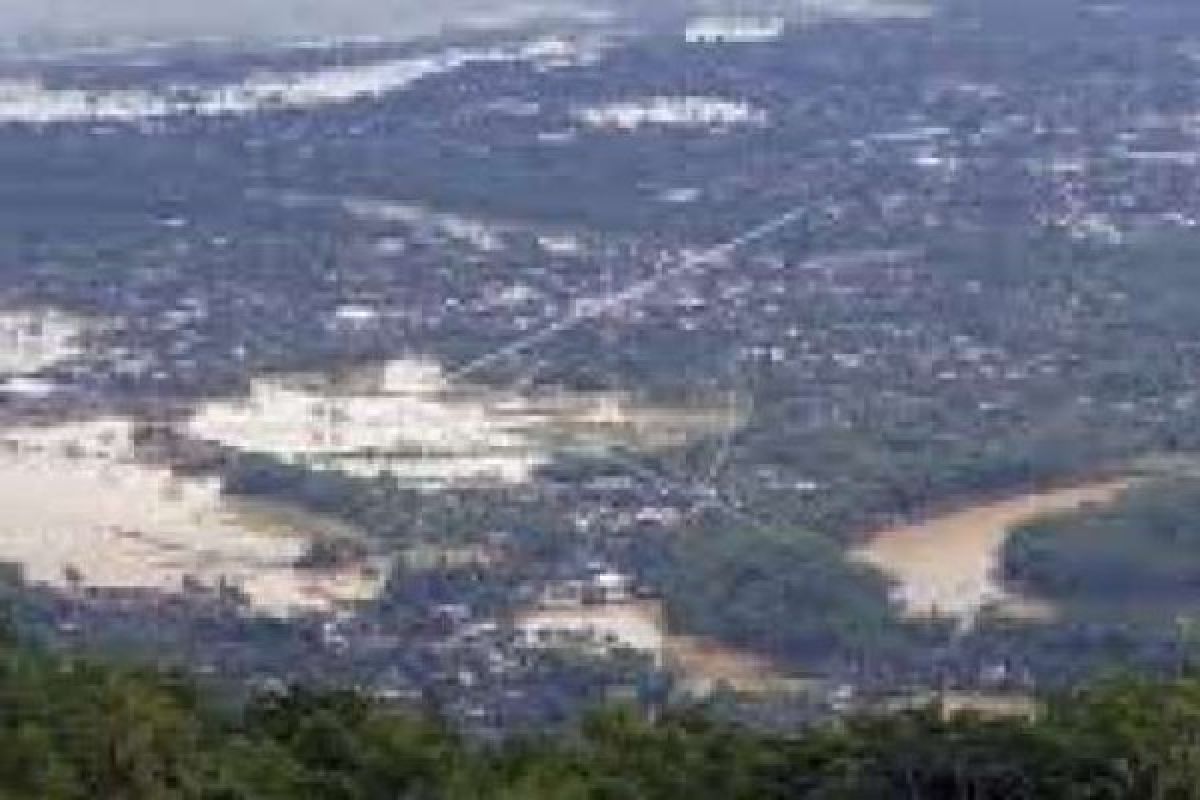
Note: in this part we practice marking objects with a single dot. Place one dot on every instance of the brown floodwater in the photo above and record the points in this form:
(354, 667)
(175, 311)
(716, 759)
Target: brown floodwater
(701, 663)
(405, 418)
(948, 564)
(81, 511)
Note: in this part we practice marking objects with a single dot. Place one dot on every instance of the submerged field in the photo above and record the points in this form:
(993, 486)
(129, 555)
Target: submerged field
(950, 564)
(82, 511)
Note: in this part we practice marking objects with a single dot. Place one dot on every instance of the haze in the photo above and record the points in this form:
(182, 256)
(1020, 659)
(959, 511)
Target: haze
(91, 20)
(35, 21)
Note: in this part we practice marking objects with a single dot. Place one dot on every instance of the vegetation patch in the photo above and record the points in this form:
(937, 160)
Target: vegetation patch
(1143, 551)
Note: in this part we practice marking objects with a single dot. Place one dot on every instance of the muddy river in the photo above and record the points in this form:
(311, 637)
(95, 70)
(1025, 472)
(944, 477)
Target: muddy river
(948, 564)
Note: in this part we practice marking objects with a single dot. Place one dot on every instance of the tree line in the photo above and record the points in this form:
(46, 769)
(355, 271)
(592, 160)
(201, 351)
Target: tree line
(73, 728)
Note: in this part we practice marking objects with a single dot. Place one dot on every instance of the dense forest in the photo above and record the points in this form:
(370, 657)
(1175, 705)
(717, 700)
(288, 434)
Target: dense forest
(79, 729)
(1139, 554)
(740, 586)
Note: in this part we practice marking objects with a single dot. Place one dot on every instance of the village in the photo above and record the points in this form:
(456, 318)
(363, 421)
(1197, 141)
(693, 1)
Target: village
(502, 336)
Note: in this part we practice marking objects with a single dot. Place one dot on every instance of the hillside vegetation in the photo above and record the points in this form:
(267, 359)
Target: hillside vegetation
(1139, 553)
(76, 729)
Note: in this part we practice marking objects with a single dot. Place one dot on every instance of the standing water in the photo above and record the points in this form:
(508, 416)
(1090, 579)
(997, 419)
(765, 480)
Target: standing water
(948, 564)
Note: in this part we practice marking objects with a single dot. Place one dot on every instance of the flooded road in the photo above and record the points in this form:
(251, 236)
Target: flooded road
(81, 511)
(406, 419)
(948, 564)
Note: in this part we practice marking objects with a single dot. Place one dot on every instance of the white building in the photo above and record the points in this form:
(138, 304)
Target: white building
(734, 30)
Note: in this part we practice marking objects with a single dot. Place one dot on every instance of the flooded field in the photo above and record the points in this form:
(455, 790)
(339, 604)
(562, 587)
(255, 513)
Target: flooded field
(636, 626)
(687, 112)
(83, 509)
(31, 341)
(868, 9)
(705, 664)
(994, 705)
(701, 664)
(947, 564)
(31, 101)
(80, 511)
(406, 419)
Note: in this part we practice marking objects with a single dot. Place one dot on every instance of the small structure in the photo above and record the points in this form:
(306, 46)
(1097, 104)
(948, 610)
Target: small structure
(734, 30)
(607, 587)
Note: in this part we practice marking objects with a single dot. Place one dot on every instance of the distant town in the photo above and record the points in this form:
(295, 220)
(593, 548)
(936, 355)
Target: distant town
(515, 373)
